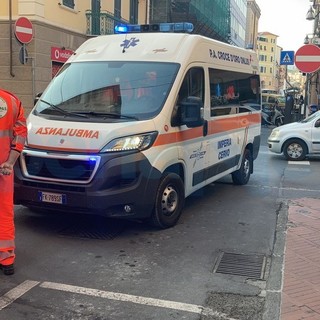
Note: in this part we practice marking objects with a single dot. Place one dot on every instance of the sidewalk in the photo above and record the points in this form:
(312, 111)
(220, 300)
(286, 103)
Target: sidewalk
(301, 287)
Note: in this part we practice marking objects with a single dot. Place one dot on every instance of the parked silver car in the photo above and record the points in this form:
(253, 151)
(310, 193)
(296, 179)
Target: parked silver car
(297, 140)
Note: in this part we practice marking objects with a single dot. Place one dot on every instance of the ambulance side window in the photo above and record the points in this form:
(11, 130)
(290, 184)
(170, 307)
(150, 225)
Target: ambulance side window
(233, 92)
(192, 85)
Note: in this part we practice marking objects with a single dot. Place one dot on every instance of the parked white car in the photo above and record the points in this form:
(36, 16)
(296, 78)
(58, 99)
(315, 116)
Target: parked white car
(297, 140)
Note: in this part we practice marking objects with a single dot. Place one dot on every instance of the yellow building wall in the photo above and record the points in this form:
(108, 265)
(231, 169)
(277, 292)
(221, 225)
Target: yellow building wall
(55, 14)
(269, 49)
(4, 9)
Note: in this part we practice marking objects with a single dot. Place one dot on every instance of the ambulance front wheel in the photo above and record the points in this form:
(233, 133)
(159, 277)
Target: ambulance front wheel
(242, 175)
(169, 201)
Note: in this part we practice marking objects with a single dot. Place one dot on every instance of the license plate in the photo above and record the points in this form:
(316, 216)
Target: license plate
(52, 197)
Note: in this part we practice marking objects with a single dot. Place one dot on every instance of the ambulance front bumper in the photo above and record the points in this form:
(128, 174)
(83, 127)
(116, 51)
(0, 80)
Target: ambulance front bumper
(122, 186)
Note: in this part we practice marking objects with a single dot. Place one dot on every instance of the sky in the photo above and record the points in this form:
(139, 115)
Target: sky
(286, 19)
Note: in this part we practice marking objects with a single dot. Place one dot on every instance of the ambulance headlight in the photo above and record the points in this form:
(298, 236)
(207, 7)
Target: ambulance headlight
(129, 143)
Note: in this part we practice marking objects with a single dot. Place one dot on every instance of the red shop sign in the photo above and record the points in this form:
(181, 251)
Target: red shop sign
(60, 55)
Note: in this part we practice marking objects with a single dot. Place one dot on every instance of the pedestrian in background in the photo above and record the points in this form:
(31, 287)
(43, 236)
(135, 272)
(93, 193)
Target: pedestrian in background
(13, 133)
(313, 108)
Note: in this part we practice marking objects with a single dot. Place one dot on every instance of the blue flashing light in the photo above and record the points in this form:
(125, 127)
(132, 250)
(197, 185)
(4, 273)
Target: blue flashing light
(159, 27)
(121, 29)
(127, 28)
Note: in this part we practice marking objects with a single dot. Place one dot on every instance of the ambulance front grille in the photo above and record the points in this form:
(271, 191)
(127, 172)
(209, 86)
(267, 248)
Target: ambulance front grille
(76, 169)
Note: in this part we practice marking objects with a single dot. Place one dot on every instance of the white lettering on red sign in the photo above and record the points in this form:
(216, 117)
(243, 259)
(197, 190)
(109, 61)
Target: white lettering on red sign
(60, 55)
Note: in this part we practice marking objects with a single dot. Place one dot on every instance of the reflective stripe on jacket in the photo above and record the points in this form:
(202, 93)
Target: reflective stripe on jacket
(13, 131)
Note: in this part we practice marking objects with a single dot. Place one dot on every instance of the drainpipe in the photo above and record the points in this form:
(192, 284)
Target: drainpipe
(10, 35)
(147, 12)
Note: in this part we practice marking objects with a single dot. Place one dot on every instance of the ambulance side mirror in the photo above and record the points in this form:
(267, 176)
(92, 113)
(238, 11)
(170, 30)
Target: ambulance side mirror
(36, 98)
(192, 112)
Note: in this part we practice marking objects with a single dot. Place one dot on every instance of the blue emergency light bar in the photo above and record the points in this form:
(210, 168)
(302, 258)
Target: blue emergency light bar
(158, 27)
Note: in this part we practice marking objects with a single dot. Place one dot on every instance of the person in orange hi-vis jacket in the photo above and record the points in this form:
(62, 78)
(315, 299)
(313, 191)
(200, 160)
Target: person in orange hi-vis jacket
(13, 133)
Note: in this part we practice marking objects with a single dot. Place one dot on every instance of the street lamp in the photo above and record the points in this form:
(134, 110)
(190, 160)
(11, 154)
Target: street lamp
(306, 40)
(313, 37)
(311, 15)
(313, 11)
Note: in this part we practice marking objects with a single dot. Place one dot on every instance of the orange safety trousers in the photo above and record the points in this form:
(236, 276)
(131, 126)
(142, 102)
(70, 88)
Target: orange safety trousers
(13, 132)
(7, 228)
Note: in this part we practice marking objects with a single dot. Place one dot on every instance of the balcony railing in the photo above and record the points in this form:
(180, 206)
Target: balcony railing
(102, 23)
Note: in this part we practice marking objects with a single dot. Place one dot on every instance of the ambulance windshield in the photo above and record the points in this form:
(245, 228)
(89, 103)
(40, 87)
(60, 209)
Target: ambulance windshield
(108, 91)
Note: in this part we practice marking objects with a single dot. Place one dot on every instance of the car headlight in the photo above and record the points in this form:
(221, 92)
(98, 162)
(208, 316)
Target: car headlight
(129, 143)
(274, 134)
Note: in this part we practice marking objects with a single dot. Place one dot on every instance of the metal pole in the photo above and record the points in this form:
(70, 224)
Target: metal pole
(33, 78)
(10, 40)
(306, 96)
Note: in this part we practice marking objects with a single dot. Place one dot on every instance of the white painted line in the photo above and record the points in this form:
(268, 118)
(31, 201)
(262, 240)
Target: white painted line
(16, 293)
(134, 299)
(24, 30)
(312, 58)
(280, 188)
(304, 163)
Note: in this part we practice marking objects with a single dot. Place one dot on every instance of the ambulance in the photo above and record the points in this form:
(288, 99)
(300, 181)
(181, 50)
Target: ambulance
(135, 122)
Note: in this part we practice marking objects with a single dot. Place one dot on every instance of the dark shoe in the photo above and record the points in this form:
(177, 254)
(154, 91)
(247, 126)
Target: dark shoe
(7, 270)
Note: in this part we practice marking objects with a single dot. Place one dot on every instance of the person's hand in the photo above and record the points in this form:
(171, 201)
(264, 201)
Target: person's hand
(6, 169)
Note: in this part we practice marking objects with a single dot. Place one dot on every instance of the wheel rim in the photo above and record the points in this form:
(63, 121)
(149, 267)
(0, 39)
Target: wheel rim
(294, 150)
(246, 167)
(169, 200)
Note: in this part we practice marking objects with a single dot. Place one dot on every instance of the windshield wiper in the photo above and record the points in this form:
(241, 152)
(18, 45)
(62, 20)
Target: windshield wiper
(108, 115)
(62, 111)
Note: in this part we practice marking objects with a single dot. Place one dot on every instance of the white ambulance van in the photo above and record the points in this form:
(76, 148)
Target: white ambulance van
(135, 122)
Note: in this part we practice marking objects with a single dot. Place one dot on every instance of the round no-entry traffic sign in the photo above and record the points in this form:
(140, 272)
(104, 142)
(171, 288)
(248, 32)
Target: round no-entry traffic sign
(23, 30)
(307, 58)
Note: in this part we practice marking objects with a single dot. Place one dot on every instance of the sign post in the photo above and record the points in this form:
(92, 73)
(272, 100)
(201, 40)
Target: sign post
(307, 58)
(23, 30)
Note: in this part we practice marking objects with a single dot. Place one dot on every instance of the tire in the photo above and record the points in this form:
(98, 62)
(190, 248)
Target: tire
(169, 201)
(279, 121)
(295, 150)
(242, 175)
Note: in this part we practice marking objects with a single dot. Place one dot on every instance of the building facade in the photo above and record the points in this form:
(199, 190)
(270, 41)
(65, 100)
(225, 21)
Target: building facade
(271, 73)
(60, 27)
(252, 22)
(223, 20)
(238, 16)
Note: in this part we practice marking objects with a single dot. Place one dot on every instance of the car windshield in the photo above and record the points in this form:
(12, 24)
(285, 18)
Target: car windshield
(107, 91)
(311, 117)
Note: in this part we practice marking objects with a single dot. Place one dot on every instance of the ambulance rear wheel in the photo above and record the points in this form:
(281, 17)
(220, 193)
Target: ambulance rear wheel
(169, 201)
(242, 175)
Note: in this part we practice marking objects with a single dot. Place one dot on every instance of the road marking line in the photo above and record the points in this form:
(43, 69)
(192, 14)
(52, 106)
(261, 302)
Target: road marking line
(16, 293)
(280, 188)
(305, 163)
(134, 299)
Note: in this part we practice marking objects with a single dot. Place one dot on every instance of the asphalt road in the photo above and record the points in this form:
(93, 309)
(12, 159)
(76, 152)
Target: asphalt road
(223, 260)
